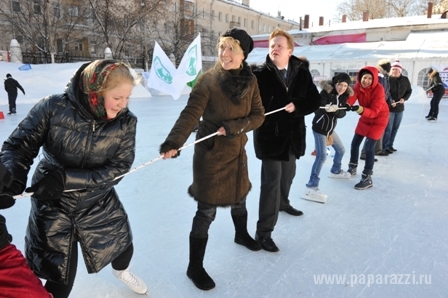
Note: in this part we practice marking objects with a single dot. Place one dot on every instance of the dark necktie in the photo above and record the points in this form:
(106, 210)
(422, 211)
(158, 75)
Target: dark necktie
(283, 72)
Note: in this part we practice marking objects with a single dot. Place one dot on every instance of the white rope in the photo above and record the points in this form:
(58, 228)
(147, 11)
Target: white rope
(27, 194)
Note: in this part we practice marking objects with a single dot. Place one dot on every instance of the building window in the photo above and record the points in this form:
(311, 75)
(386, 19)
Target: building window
(73, 11)
(16, 6)
(233, 18)
(203, 12)
(212, 15)
(220, 16)
(36, 7)
(56, 10)
(252, 24)
(78, 47)
(227, 18)
(175, 6)
(245, 23)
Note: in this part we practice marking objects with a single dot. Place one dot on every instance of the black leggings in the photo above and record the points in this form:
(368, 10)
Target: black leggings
(60, 290)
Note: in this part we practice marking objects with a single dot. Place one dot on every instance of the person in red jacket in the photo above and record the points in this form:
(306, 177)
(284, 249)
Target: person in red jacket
(16, 277)
(374, 114)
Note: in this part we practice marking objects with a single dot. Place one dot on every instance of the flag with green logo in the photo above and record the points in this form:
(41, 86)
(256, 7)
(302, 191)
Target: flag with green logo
(162, 75)
(190, 66)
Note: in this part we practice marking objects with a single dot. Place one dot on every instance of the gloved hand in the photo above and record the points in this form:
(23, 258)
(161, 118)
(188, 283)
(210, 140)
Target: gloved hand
(49, 187)
(6, 201)
(5, 238)
(168, 146)
(359, 110)
(330, 108)
(5, 177)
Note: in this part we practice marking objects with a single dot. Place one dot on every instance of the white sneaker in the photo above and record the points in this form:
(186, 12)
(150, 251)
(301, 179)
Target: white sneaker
(131, 280)
(341, 175)
(314, 194)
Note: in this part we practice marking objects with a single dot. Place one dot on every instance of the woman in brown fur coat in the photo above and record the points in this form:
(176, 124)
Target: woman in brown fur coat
(228, 99)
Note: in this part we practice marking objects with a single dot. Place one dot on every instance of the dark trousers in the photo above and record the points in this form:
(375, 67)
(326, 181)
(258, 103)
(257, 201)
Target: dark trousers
(370, 152)
(12, 102)
(206, 214)
(435, 101)
(62, 291)
(276, 180)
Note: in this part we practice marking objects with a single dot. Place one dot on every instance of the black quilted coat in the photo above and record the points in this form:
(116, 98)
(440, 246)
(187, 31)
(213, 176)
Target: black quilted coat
(92, 153)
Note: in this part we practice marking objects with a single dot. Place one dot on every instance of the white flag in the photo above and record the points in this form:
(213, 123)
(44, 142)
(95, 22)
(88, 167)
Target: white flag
(191, 64)
(162, 75)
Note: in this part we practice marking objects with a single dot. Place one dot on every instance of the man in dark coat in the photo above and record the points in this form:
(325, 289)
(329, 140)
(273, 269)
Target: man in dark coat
(11, 86)
(400, 90)
(285, 82)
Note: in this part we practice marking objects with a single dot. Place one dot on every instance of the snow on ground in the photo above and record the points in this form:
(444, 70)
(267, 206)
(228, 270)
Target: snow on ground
(388, 241)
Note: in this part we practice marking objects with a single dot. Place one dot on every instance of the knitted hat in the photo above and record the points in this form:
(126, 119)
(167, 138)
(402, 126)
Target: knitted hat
(397, 64)
(430, 70)
(341, 77)
(92, 81)
(8, 75)
(384, 64)
(246, 42)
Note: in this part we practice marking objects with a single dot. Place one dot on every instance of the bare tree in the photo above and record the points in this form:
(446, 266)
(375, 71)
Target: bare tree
(354, 9)
(400, 8)
(40, 23)
(120, 25)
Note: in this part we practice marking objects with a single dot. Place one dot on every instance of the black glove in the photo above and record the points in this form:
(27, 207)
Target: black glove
(5, 238)
(167, 146)
(5, 177)
(50, 187)
(6, 201)
(353, 108)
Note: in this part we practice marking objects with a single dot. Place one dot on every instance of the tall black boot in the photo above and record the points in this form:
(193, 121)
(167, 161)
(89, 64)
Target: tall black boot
(241, 235)
(196, 271)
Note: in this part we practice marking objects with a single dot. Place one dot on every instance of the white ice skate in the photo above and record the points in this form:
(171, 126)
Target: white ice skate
(131, 280)
(341, 175)
(314, 195)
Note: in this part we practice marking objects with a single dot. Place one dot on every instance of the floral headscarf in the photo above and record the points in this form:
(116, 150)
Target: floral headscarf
(92, 81)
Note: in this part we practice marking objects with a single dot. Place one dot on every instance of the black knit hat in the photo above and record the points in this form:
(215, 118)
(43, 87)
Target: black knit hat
(8, 75)
(363, 72)
(430, 71)
(341, 77)
(246, 42)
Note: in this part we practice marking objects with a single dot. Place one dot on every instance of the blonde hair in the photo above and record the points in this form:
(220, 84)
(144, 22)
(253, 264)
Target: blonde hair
(280, 32)
(231, 42)
(121, 74)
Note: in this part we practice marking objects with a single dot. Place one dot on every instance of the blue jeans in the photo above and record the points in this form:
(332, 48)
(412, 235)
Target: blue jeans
(370, 152)
(320, 143)
(391, 129)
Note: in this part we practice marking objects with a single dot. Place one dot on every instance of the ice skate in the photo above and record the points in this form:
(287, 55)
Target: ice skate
(132, 281)
(314, 195)
(341, 175)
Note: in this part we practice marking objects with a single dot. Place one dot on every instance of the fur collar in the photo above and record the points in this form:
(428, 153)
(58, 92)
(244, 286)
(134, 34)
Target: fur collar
(433, 73)
(235, 87)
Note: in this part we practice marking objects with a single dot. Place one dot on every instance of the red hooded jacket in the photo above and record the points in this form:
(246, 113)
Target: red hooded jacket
(374, 118)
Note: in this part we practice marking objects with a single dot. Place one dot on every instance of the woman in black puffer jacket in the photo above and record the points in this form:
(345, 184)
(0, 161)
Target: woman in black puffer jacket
(334, 95)
(87, 137)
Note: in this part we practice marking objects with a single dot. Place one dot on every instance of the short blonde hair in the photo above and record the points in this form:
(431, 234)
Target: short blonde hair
(231, 42)
(280, 32)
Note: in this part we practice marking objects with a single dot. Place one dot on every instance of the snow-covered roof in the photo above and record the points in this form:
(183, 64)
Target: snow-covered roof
(370, 24)
(421, 45)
